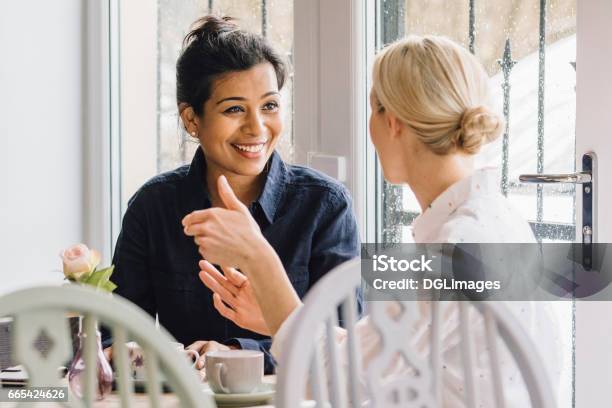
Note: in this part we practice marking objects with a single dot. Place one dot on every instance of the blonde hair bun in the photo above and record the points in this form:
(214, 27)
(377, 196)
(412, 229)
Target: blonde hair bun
(440, 90)
(478, 126)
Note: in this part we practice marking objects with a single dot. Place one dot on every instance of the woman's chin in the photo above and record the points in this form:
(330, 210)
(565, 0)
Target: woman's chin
(391, 178)
(246, 166)
(249, 169)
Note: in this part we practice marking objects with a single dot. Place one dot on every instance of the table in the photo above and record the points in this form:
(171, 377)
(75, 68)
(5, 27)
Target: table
(142, 400)
(168, 400)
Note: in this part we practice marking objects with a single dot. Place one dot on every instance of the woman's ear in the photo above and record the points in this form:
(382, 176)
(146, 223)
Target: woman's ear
(396, 126)
(189, 118)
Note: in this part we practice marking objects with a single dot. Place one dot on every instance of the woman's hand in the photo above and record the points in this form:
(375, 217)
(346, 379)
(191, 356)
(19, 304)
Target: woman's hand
(231, 237)
(108, 353)
(234, 289)
(203, 346)
(226, 236)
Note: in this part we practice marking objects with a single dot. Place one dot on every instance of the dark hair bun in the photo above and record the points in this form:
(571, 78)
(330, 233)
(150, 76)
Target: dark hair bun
(210, 28)
(216, 46)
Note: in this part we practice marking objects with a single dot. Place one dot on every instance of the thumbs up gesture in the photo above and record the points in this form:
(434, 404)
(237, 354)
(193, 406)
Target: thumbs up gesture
(226, 236)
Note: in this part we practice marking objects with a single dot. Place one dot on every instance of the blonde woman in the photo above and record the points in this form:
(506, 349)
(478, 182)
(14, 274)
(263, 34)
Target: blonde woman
(430, 116)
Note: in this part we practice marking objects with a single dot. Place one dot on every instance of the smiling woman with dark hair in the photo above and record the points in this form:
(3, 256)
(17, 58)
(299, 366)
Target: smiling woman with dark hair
(228, 96)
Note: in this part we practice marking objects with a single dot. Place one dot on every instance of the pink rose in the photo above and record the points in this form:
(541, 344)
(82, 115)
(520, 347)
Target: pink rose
(79, 261)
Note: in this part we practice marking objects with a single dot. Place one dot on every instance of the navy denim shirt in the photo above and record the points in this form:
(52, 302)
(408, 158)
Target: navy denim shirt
(306, 216)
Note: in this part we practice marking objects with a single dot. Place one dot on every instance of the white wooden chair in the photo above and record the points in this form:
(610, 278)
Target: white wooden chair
(41, 312)
(302, 366)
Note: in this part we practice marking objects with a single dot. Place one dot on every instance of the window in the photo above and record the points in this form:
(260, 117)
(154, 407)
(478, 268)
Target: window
(152, 138)
(529, 49)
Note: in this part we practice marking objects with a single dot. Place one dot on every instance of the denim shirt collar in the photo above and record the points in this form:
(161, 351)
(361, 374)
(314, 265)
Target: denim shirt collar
(274, 187)
(196, 192)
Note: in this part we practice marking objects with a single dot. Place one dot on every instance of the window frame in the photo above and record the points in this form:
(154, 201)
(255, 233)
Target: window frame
(108, 83)
(331, 41)
(102, 153)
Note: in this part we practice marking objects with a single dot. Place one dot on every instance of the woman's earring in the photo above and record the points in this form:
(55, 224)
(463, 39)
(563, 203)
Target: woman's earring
(193, 134)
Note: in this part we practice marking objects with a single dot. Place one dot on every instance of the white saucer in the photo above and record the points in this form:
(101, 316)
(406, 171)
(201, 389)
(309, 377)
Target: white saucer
(263, 394)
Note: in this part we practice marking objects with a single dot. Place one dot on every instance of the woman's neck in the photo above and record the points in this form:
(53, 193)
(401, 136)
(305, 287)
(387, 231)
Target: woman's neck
(434, 174)
(246, 188)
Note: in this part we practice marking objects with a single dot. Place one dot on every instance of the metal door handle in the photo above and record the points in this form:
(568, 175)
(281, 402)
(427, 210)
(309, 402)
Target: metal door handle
(574, 178)
(585, 177)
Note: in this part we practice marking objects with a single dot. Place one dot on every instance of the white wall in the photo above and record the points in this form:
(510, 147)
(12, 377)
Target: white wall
(41, 129)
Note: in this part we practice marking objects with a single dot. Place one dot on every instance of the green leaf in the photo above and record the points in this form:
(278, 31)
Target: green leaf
(100, 279)
(109, 286)
(95, 278)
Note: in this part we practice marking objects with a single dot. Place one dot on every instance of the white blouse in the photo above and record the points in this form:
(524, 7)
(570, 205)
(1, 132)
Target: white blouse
(471, 210)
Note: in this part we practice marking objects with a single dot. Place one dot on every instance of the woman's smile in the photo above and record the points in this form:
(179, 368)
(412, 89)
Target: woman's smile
(250, 150)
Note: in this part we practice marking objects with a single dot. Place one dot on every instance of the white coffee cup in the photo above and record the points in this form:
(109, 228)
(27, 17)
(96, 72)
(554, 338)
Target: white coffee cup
(234, 371)
(137, 358)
